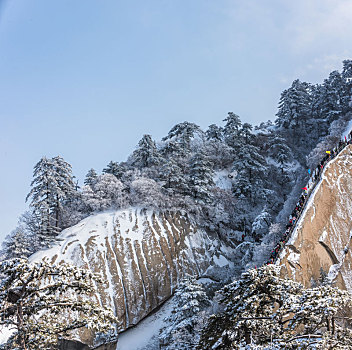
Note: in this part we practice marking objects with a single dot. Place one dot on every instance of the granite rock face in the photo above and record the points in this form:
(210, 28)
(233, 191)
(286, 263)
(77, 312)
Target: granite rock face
(322, 238)
(141, 256)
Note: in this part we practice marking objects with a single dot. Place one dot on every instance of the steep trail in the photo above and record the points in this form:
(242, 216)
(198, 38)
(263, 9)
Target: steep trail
(319, 241)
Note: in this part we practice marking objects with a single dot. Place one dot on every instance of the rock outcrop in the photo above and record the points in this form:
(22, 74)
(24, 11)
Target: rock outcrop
(141, 256)
(321, 242)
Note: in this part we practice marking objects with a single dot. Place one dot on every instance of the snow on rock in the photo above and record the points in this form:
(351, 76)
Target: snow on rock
(144, 336)
(221, 261)
(322, 237)
(347, 130)
(141, 255)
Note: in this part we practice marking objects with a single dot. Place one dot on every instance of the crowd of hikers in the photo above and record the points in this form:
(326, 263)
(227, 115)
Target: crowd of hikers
(297, 211)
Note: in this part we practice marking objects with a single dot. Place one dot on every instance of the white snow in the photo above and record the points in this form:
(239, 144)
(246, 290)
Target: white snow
(293, 257)
(205, 280)
(221, 261)
(5, 333)
(347, 131)
(222, 179)
(323, 236)
(144, 336)
(333, 272)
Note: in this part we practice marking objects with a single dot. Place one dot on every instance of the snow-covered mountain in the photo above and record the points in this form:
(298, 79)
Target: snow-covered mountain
(320, 244)
(141, 255)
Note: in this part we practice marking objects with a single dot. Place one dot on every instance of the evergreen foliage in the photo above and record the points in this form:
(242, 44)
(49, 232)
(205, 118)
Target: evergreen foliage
(201, 178)
(147, 154)
(19, 244)
(188, 315)
(115, 169)
(91, 177)
(263, 310)
(33, 296)
(52, 186)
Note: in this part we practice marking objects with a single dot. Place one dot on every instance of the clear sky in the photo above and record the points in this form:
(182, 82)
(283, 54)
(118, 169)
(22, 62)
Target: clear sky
(86, 79)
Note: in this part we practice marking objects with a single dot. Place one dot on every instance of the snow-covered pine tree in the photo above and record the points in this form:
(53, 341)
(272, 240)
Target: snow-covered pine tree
(41, 301)
(261, 224)
(334, 97)
(347, 74)
(232, 130)
(91, 178)
(146, 154)
(174, 181)
(187, 317)
(183, 134)
(295, 109)
(214, 132)
(253, 312)
(19, 244)
(115, 169)
(201, 177)
(246, 132)
(106, 193)
(280, 151)
(264, 310)
(52, 186)
(251, 168)
(147, 193)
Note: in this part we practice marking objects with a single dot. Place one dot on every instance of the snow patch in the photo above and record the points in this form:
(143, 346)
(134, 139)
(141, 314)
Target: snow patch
(5, 334)
(333, 272)
(323, 236)
(347, 131)
(223, 179)
(294, 257)
(221, 261)
(144, 336)
(313, 216)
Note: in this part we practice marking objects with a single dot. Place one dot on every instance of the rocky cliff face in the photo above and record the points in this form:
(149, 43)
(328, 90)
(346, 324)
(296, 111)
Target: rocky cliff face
(322, 238)
(140, 254)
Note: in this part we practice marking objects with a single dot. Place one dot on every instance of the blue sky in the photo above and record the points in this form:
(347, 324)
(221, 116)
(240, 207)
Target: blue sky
(86, 79)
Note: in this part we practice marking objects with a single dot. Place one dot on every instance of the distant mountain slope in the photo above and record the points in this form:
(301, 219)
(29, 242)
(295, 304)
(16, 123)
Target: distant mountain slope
(141, 256)
(322, 238)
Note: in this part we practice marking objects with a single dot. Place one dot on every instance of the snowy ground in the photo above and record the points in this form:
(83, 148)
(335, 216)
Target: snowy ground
(5, 334)
(347, 131)
(144, 336)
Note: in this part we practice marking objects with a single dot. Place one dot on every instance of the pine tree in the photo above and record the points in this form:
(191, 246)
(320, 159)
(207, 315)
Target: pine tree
(62, 305)
(91, 177)
(52, 186)
(232, 130)
(261, 224)
(187, 317)
(115, 169)
(106, 193)
(251, 168)
(214, 132)
(280, 151)
(174, 178)
(183, 133)
(334, 102)
(18, 244)
(294, 107)
(261, 309)
(147, 154)
(246, 132)
(201, 177)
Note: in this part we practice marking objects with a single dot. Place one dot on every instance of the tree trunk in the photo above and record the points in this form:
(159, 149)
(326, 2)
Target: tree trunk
(247, 335)
(57, 215)
(21, 339)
